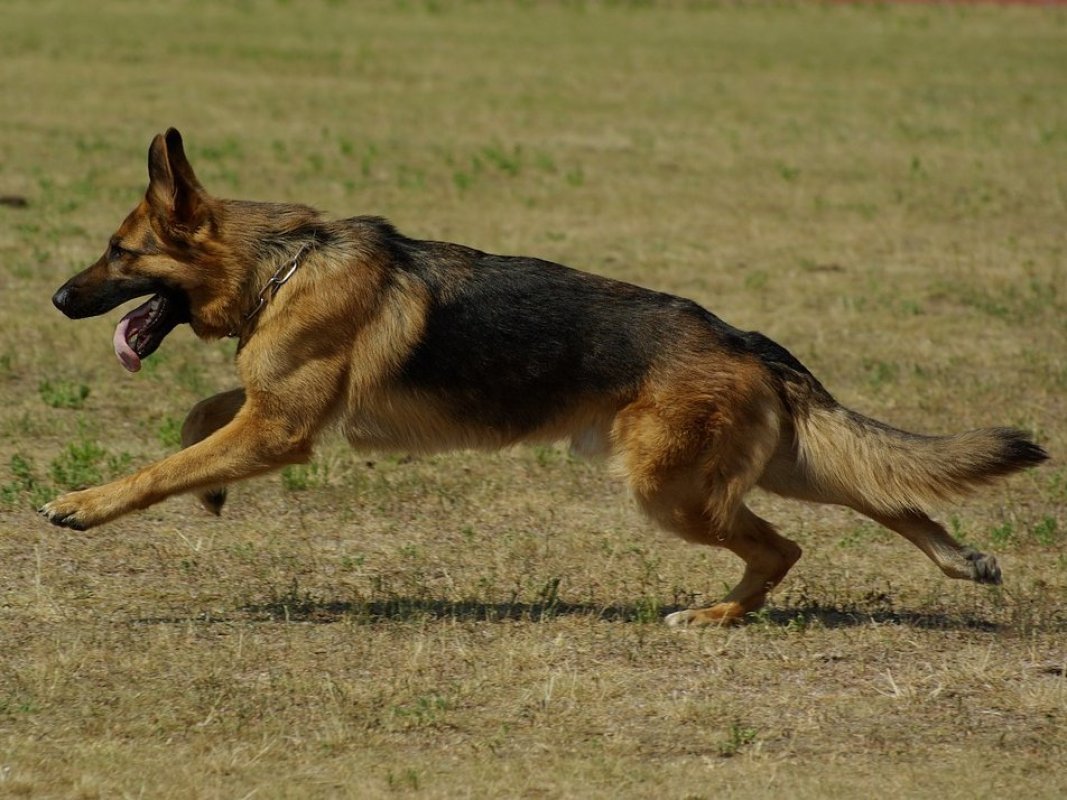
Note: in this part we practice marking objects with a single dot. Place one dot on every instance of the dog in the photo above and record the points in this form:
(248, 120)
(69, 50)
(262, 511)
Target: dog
(428, 346)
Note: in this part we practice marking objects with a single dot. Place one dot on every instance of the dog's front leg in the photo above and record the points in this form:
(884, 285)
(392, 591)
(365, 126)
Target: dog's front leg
(252, 443)
(204, 419)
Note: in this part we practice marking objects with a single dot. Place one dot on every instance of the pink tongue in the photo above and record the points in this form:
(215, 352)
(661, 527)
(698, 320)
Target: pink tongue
(127, 357)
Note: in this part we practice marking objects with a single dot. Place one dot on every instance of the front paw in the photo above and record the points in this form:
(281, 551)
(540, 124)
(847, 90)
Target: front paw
(77, 510)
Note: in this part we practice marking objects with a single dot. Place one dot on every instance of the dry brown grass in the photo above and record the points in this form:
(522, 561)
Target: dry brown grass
(879, 189)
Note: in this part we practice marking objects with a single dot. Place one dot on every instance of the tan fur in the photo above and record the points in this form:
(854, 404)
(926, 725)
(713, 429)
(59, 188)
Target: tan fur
(836, 456)
(844, 454)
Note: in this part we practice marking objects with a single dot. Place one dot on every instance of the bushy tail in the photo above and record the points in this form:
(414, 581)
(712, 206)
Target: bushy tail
(889, 470)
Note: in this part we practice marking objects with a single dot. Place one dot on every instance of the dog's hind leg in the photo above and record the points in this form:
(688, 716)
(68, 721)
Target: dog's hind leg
(690, 471)
(204, 419)
(951, 557)
(768, 557)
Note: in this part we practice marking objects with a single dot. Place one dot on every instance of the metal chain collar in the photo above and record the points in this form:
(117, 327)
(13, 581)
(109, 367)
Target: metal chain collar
(270, 288)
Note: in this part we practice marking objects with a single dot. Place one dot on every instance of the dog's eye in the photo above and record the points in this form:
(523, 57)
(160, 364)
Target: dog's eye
(115, 252)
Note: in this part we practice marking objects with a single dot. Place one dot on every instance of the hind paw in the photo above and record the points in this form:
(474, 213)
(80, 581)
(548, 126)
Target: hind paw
(984, 569)
(718, 614)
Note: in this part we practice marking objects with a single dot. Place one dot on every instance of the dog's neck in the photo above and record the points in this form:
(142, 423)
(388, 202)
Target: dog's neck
(271, 286)
(259, 241)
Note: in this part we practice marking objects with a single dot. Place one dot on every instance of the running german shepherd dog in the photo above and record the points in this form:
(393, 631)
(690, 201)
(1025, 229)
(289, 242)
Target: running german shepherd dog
(427, 346)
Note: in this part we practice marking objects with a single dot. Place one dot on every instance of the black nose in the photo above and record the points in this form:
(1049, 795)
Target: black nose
(61, 299)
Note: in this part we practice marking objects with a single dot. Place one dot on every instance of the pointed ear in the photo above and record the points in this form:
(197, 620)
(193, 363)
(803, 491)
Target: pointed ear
(173, 190)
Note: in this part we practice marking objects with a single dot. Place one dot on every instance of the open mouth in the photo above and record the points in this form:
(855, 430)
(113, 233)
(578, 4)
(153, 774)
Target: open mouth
(141, 331)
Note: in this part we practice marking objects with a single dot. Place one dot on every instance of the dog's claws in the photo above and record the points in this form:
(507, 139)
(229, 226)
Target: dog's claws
(60, 520)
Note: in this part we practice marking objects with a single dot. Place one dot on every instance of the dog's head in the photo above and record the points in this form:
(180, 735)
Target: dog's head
(161, 250)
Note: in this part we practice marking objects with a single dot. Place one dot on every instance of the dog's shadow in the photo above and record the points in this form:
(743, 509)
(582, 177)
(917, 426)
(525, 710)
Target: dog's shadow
(412, 609)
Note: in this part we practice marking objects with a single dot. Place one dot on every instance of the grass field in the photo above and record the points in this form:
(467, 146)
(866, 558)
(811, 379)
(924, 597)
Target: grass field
(881, 189)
